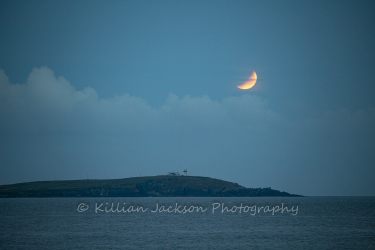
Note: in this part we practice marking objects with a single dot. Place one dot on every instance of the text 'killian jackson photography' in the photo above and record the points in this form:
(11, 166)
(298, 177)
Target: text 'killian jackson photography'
(183, 209)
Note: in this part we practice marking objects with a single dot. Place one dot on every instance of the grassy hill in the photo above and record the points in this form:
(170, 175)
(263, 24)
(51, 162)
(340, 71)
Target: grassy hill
(159, 186)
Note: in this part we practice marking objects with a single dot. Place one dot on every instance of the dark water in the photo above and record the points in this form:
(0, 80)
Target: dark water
(261, 223)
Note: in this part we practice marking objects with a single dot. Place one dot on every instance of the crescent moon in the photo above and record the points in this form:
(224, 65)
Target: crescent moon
(250, 83)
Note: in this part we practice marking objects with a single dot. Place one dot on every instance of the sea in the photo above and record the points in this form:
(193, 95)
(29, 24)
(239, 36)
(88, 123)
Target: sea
(188, 223)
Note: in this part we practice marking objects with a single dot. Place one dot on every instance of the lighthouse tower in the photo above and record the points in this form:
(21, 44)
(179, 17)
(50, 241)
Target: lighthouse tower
(185, 172)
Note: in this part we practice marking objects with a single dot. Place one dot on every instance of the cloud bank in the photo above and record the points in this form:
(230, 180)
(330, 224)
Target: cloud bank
(51, 130)
(52, 103)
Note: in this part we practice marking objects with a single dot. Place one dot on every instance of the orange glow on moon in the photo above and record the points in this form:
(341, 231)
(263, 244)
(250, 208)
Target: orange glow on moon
(250, 83)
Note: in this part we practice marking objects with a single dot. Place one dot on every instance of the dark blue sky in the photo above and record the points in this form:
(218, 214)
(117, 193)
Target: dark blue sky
(113, 89)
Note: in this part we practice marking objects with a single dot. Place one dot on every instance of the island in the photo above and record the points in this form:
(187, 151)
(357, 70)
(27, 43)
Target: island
(149, 186)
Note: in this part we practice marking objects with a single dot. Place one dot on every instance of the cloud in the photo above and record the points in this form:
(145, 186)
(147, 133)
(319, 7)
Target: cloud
(44, 102)
(52, 103)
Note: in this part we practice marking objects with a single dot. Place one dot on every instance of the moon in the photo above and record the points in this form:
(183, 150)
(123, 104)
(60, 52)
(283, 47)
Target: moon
(250, 83)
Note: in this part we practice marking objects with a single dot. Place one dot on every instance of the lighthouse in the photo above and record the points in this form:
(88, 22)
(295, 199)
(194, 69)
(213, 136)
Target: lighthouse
(185, 172)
